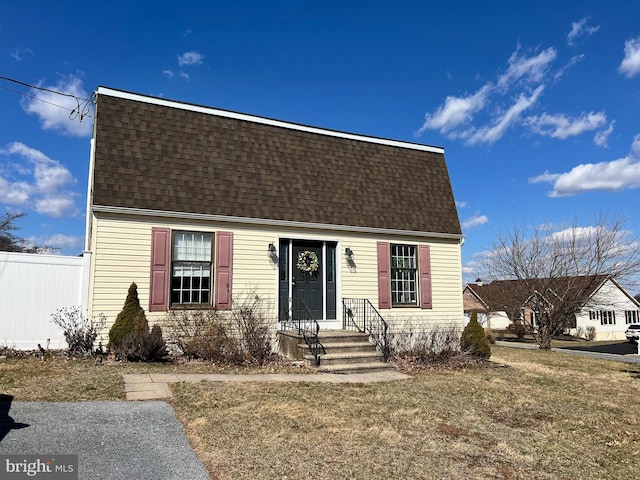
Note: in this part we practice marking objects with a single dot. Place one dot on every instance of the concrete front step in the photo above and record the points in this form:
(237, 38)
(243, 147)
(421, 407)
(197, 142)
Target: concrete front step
(343, 347)
(355, 367)
(345, 358)
(342, 336)
(345, 351)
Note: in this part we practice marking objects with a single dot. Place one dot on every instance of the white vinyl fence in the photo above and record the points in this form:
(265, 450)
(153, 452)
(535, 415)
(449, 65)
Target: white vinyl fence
(32, 287)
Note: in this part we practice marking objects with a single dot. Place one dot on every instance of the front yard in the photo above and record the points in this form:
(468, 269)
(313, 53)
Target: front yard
(542, 415)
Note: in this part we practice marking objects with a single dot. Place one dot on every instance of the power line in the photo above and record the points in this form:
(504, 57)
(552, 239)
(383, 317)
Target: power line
(35, 98)
(80, 111)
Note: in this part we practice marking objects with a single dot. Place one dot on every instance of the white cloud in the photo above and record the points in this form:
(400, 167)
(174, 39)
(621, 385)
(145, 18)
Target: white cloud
(560, 126)
(613, 176)
(579, 29)
(490, 134)
(455, 111)
(475, 221)
(190, 58)
(55, 111)
(183, 75)
(570, 234)
(168, 73)
(57, 241)
(46, 186)
(57, 206)
(522, 81)
(602, 138)
(572, 61)
(14, 193)
(635, 146)
(460, 204)
(529, 69)
(630, 65)
(19, 53)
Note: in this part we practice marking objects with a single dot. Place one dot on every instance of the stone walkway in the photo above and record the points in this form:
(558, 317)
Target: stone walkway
(151, 386)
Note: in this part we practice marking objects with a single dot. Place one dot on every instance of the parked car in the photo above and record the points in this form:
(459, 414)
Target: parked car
(633, 332)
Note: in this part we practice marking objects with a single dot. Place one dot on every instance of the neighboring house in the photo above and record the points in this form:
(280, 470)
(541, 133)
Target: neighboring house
(201, 206)
(603, 304)
(485, 301)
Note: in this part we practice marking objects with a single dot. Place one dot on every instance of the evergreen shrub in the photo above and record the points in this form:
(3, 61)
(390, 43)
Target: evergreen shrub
(474, 340)
(130, 338)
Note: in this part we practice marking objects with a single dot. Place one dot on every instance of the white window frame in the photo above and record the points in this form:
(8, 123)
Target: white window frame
(404, 278)
(607, 317)
(631, 316)
(192, 252)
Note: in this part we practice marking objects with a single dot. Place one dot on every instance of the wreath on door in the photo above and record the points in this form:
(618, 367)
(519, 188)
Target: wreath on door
(307, 262)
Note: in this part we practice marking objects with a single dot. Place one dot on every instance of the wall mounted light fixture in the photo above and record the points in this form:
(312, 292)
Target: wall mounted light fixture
(273, 255)
(349, 253)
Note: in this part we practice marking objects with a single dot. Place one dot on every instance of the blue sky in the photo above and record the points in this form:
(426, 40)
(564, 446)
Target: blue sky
(536, 103)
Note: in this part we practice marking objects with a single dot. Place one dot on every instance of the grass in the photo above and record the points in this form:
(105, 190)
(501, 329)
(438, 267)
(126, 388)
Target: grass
(62, 380)
(545, 415)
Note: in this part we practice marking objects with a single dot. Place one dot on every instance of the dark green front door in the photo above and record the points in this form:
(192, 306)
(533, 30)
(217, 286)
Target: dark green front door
(308, 285)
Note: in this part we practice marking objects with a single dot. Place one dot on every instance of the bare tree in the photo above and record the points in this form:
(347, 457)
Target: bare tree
(10, 242)
(553, 269)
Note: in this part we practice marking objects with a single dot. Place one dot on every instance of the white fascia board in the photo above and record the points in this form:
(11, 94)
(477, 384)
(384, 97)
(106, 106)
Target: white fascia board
(266, 121)
(270, 222)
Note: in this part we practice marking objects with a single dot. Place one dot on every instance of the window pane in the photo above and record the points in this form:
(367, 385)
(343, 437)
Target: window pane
(331, 256)
(404, 285)
(283, 261)
(193, 246)
(191, 280)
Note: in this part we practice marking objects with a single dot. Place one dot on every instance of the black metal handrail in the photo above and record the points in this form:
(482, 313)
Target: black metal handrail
(298, 317)
(359, 314)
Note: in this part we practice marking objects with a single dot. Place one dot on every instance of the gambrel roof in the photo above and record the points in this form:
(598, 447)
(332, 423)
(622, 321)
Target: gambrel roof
(154, 154)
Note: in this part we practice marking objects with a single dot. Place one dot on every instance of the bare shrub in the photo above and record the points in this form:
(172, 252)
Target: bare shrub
(491, 336)
(239, 336)
(517, 328)
(202, 334)
(425, 345)
(79, 333)
(249, 318)
(591, 333)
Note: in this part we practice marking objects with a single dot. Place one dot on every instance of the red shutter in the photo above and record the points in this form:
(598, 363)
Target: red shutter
(384, 275)
(424, 264)
(160, 259)
(224, 270)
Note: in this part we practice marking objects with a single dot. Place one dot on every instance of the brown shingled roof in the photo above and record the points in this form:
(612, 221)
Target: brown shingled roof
(511, 295)
(175, 159)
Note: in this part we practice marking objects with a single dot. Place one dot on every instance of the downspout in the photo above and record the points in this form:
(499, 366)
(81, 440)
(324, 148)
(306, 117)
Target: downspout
(86, 254)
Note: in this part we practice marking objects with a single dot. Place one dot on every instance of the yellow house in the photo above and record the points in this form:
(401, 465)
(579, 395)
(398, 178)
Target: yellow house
(198, 206)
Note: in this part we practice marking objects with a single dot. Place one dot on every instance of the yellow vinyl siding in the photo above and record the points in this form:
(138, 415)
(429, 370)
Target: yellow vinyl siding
(122, 250)
(446, 281)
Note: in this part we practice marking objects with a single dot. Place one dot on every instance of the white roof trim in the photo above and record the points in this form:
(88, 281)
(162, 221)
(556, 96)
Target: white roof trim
(266, 121)
(269, 222)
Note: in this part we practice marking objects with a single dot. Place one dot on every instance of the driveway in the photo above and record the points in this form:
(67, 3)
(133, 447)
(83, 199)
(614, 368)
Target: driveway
(617, 351)
(113, 440)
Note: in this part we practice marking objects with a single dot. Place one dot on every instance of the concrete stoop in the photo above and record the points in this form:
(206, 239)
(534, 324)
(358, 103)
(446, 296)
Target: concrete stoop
(346, 352)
